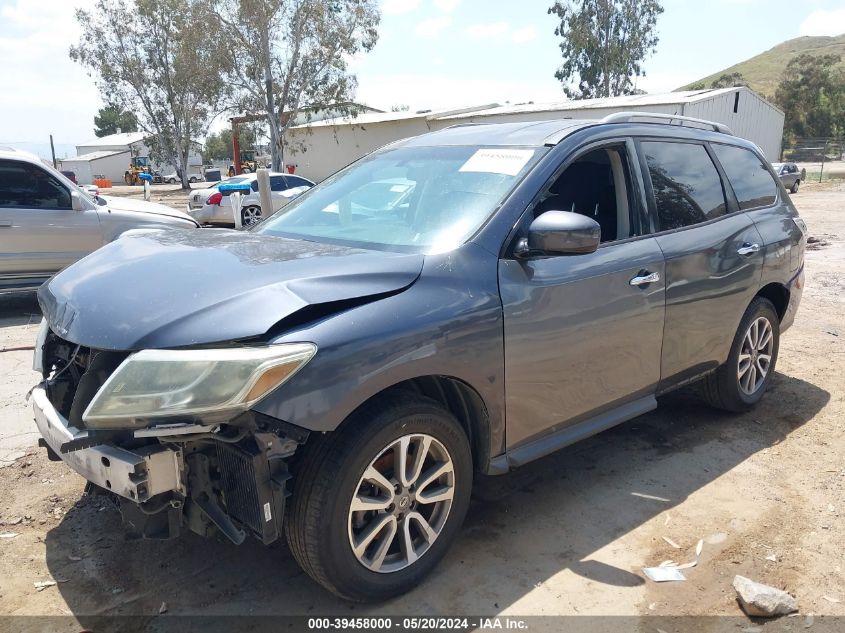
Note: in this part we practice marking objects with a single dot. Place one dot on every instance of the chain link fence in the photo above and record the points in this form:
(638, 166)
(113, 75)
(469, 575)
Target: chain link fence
(822, 158)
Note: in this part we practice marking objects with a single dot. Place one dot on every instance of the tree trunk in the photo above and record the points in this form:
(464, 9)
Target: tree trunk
(270, 103)
(183, 166)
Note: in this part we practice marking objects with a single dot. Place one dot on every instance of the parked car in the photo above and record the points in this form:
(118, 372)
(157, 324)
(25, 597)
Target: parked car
(172, 178)
(790, 175)
(92, 190)
(47, 222)
(70, 175)
(351, 367)
(212, 206)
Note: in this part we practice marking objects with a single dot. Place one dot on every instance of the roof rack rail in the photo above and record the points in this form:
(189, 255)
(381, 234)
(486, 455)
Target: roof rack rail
(628, 117)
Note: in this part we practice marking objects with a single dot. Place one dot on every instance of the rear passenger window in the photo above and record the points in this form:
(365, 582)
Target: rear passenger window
(751, 181)
(687, 187)
(277, 183)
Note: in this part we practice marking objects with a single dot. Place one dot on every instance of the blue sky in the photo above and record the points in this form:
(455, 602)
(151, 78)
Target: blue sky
(431, 54)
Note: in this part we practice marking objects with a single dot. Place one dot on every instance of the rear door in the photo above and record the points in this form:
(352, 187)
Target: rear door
(583, 332)
(713, 255)
(40, 233)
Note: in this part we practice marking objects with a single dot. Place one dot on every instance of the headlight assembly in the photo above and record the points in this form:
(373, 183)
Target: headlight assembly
(208, 383)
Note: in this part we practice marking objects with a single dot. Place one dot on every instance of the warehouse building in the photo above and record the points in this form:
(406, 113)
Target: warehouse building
(321, 148)
(109, 157)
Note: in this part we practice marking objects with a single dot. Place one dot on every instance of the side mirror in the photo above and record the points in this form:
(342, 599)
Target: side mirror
(76, 202)
(562, 233)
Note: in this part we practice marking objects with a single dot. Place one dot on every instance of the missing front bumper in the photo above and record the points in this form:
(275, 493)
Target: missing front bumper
(136, 475)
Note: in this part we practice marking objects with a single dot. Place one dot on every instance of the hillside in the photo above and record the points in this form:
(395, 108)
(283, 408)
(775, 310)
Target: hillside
(763, 72)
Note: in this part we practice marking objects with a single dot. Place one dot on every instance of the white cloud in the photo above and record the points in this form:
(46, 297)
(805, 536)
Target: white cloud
(487, 30)
(525, 34)
(46, 92)
(398, 7)
(668, 81)
(446, 5)
(433, 26)
(823, 22)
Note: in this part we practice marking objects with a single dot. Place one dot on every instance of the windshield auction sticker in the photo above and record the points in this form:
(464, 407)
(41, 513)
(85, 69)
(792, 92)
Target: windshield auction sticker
(498, 161)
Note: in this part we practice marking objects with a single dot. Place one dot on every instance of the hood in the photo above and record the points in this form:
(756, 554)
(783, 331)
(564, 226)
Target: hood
(186, 287)
(142, 206)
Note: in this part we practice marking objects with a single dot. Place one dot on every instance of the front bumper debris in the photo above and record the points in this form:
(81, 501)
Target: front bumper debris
(136, 475)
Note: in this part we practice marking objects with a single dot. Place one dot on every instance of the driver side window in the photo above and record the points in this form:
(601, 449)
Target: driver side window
(597, 184)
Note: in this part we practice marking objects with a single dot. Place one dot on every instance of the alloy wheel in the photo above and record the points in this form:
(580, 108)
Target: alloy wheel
(755, 355)
(401, 503)
(251, 215)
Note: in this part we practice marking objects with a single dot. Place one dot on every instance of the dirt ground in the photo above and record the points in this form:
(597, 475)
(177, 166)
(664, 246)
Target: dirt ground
(567, 535)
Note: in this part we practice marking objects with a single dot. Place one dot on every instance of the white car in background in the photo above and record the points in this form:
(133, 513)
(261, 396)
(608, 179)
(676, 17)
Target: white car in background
(211, 206)
(172, 178)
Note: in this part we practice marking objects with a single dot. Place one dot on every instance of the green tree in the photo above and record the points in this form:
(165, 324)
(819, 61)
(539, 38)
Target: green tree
(112, 119)
(812, 96)
(729, 80)
(292, 57)
(156, 59)
(219, 146)
(604, 44)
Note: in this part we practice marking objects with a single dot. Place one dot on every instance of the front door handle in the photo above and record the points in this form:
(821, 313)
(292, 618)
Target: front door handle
(644, 278)
(5, 224)
(747, 249)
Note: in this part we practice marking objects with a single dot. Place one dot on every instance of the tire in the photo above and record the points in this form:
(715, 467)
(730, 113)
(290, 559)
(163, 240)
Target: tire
(171, 181)
(192, 180)
(728, 388)
(794, 187)
(321, 525)
(251, 215)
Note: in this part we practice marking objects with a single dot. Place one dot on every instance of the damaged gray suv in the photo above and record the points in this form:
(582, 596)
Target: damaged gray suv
(457, 303)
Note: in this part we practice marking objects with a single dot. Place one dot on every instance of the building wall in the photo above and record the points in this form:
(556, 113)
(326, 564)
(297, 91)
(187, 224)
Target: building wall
(112, 167)
(330, 148)
(755, 119)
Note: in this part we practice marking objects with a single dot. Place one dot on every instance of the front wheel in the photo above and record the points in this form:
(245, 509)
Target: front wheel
(740, 383)
(376, 505)
(794, 188)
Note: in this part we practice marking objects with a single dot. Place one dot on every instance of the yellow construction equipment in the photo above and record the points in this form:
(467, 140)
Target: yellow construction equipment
(138, 165)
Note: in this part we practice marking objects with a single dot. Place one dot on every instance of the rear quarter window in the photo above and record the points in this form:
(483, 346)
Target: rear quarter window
(751, 181)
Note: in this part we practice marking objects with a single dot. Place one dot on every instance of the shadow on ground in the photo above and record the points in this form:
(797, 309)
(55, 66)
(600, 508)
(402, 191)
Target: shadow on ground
(522, 529)
(19, 308)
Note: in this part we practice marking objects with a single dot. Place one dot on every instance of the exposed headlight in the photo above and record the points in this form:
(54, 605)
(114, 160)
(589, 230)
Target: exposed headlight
(210, 383)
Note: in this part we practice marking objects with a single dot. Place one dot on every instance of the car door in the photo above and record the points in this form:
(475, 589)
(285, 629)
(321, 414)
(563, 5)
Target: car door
(40, 233)
(712, 251)
(583, 332)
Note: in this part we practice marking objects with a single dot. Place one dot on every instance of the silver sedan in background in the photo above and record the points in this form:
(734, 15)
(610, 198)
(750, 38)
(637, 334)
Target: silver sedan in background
(47, 222)
(790, 175)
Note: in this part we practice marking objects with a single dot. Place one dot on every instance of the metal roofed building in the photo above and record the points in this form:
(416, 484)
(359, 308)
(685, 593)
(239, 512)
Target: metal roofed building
(321, 148)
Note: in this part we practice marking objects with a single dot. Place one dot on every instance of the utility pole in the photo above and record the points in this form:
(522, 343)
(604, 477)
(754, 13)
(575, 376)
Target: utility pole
(53, 151)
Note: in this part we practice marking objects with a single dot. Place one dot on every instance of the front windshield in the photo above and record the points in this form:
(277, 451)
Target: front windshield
(421, 199)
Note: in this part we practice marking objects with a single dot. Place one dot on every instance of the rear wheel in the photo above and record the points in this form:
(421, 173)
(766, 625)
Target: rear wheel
(251, 215)
(172, 181)
(377, 504)
(794, 188)
(740, 383)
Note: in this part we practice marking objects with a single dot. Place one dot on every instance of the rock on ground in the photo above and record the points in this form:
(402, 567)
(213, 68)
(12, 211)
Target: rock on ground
(758, 599)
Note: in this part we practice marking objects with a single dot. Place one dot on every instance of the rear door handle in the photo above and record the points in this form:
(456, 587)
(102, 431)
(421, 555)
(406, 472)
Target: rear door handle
(748, 249)
(644, 278)
(5, 224)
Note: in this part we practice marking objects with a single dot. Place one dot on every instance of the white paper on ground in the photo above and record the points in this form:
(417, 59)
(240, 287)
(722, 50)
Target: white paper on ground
(498, 161)
(663, 574)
